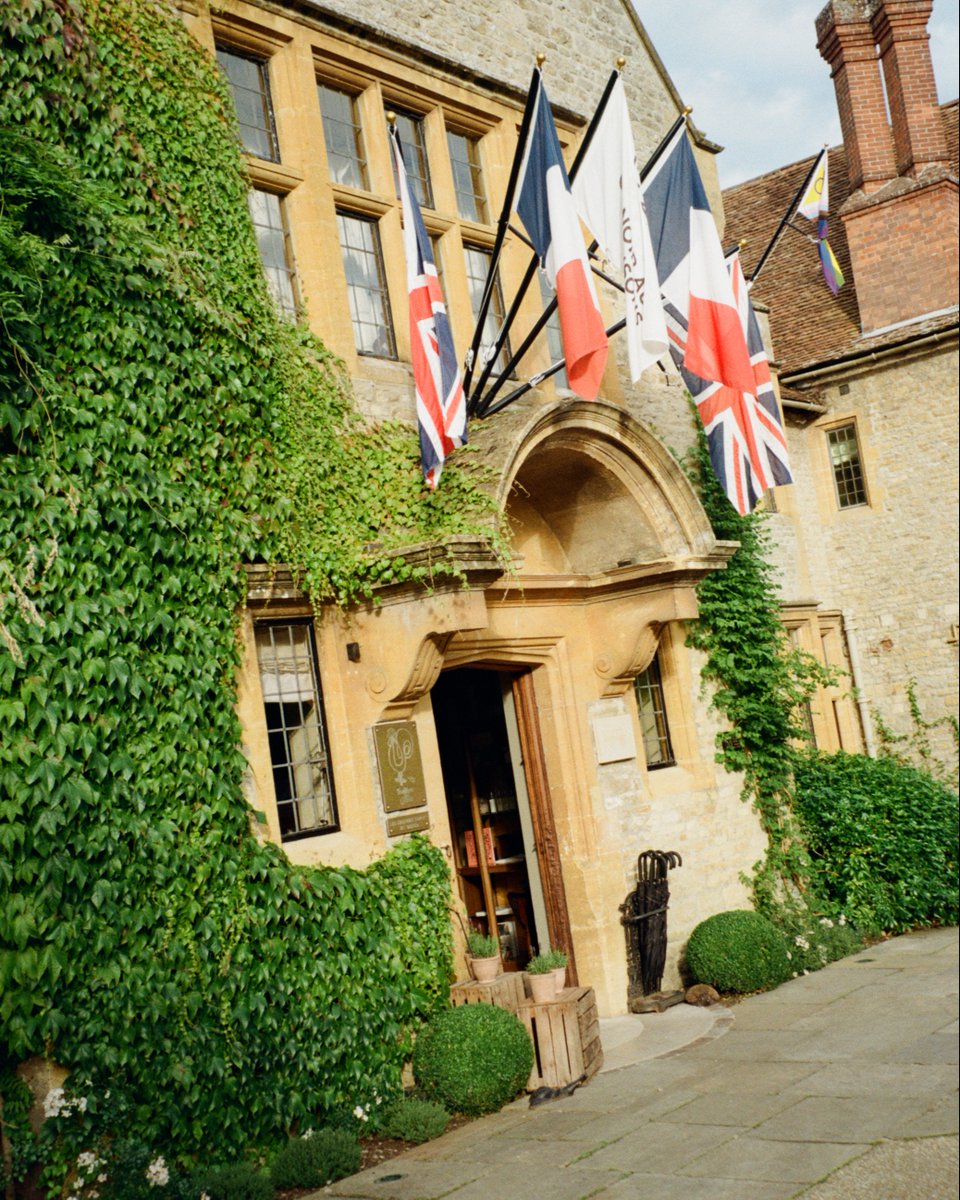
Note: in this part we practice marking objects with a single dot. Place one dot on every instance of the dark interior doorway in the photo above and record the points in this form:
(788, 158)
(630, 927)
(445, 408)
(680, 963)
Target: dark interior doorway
(493, 844)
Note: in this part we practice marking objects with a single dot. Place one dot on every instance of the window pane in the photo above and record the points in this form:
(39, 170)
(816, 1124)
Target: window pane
(467, 180)
(341, 130)
(478, 263)
(273, 241)
(366, 286)
(847, 467)
(296, 729)
(414, 147)
(653, 717)
(251, 97)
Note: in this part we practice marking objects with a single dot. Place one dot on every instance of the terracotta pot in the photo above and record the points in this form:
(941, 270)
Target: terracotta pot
(485, 969)
(543, 988)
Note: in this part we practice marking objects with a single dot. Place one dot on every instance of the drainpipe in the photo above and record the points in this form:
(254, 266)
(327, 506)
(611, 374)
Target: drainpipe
(853, 650)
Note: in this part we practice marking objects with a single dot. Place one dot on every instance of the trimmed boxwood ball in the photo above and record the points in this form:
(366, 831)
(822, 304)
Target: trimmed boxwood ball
(473, 1059)
(316, 1159)
(738, 951)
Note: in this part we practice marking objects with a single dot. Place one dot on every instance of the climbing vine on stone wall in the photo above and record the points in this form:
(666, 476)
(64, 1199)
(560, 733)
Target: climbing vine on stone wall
(159, 426)
(759, 683)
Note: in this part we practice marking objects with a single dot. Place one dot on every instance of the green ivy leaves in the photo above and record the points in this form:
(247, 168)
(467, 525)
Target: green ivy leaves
(147, 392)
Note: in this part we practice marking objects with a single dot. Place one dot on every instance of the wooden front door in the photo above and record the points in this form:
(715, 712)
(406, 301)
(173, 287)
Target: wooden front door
(506, 854)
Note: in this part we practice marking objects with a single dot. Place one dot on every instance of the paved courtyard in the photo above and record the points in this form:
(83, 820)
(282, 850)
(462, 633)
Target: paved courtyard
(841, 1085)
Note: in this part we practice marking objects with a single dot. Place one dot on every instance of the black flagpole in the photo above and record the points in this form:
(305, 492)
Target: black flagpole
(791, 208)
(484, 408)
(477, 404)
(532, 97)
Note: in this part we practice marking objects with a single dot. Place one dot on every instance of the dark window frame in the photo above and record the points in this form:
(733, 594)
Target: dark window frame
(269, 127)
(360, 160)
(279, 733)
(345, 214)
(849, 477)
(651, 703)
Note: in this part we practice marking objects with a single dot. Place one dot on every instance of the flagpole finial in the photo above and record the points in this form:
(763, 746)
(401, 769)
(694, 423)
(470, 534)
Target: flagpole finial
(621, 63)
(391, 118)
(541, 59)
(688, 110)
(741, 243)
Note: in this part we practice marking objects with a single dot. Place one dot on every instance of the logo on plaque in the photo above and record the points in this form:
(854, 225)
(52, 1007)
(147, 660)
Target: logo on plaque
(398, 760)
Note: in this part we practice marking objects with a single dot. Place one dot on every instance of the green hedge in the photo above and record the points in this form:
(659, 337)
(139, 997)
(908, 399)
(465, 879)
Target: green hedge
(883, 839)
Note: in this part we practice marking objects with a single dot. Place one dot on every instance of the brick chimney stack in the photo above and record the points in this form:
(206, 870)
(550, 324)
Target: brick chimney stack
(901, 218)
(900, 28)
(846, 40)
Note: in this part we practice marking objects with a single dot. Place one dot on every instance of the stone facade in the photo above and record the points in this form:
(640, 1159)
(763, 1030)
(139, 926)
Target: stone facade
(878, 361)
(609, 536)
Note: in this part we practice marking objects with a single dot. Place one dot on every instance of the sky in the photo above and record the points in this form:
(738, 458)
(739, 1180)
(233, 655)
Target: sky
(752, 73)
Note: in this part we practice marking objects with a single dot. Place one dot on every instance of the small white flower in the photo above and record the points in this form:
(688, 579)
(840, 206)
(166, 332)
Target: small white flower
(826, 922)
(81, 1104)
(204, 1196)
(101, 1178)
(789, 955)
(801, 942)
(54, 1102)
(86, 1159)
(841, 920)
(360, 1113)
(157, 1173)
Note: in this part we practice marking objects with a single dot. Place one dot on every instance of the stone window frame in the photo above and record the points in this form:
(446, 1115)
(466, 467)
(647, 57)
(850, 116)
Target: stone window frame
(378, 90)
(267, 175)
(857, 483)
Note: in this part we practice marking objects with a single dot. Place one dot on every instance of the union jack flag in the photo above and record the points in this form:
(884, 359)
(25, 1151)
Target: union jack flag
(441, 407)
(748, 449)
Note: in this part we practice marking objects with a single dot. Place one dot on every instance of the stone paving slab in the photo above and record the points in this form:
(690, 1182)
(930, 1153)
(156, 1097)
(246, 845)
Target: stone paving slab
(839, 1119)
(777, 1162)
(662, 1149)
(396, 1181)
(874, 1078)
(717, 1109)
(675, 1187)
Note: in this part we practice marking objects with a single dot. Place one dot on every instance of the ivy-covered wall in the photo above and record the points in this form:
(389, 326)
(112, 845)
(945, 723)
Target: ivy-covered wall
(159, 427)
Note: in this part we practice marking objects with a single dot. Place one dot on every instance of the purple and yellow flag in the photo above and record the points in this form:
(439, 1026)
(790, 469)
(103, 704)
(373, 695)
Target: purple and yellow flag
(813, 205)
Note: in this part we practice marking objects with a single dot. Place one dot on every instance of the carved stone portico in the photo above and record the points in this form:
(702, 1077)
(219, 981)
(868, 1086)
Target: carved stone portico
(609, 542)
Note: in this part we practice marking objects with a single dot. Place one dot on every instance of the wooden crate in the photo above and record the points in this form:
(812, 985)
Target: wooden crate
(506, 991)
(566, 1038)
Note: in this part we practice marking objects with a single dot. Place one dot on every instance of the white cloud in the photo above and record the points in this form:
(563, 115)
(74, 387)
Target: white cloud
(757, 84)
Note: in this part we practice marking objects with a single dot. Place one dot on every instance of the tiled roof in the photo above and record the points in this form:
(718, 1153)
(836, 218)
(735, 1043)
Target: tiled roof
(808, 324)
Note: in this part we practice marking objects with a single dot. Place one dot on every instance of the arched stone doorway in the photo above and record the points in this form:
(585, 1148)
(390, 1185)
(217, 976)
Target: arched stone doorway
(610, 541)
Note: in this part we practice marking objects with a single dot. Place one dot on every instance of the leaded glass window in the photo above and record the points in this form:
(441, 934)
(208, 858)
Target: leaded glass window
(296, 728)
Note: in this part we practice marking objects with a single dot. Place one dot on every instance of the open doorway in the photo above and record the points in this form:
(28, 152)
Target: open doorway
(492, 827)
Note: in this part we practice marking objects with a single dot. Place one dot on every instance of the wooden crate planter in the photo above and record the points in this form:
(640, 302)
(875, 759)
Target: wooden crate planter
(566, 1037)
(506, 991)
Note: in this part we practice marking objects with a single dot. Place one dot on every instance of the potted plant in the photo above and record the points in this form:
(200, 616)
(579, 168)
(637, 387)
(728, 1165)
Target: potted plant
(559, 960)
(484, 953)
(543, 982)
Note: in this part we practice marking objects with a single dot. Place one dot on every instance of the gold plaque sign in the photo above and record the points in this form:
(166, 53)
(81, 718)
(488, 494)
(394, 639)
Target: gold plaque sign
(398, 760)
(408, 823)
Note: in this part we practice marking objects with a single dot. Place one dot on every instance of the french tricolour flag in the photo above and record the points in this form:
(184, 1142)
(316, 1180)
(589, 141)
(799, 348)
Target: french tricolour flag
(705, 329)
(549, 215)
(441, 407)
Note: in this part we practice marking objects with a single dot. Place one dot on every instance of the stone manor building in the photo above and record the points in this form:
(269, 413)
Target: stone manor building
(545, 728)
